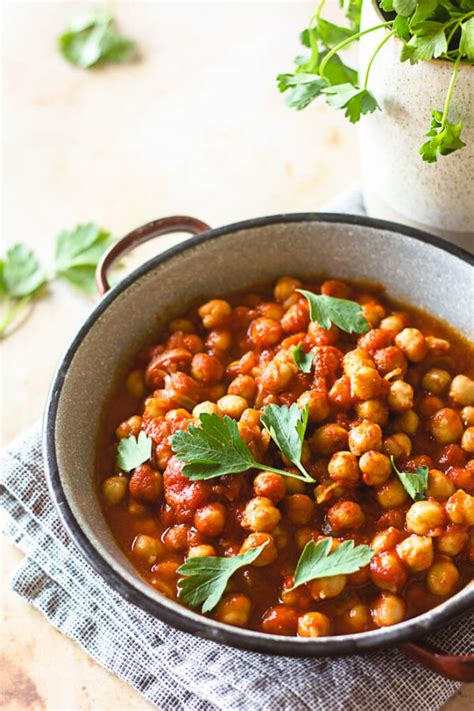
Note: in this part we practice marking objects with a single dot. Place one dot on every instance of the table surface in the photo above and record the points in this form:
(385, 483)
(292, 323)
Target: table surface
(195, 126)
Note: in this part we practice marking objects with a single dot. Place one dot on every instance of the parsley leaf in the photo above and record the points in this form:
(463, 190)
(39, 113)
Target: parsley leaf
(93, 38)
(287, 427)
(316, 561)
(78, 252)
(21, 273)
(355, 101)
(216, 448)
(206, 578)
(466, 45)
(429, 40)
(415, 483)
(303, 88)
(444, 138)
(133, 451)
(404, 7)
(303, 360)
(345, 314)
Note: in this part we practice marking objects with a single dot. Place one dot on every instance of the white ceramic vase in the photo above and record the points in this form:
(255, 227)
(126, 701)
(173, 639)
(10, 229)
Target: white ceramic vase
(397, 184)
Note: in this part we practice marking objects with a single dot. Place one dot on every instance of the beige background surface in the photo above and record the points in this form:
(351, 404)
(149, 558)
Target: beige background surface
(197, 127)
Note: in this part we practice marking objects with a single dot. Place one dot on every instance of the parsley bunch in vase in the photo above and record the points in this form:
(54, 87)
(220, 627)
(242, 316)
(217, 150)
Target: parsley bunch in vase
(412, 93)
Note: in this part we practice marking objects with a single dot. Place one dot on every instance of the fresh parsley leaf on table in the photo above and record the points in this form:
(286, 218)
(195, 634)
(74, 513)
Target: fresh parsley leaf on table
(206, 578)
(93, 38)
(216, 447)
(343, 313)
(21, 277)
(78, 252)
(316, 561)
(133, 451)
(303, 360)
(415, 483)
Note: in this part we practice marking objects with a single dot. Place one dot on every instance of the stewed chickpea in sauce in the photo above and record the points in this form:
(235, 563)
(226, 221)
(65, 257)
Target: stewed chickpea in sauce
(403, 392)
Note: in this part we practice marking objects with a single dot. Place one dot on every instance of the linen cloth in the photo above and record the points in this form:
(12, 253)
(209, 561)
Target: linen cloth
(175, 670)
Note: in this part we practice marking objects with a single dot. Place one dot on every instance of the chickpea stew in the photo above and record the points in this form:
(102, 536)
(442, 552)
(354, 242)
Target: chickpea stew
(297, 460)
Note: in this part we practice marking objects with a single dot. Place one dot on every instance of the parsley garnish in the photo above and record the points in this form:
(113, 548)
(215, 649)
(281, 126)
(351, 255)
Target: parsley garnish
(415, 483)
(206, 578)
(21, 277)
(93, 38)
(78, 252)
(133, 451)
(216, 447)
(316, 561)
(343, 313)
(302, 359)
(287, 427)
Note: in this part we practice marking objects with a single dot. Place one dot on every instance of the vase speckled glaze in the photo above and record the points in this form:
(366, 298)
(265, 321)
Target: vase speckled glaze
(397, 184)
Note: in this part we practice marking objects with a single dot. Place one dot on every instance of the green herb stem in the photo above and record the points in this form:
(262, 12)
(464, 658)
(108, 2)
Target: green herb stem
(306, 477)
(12, 312)
(317, 14)
(450, 90)
(347, 41)
(377, 50)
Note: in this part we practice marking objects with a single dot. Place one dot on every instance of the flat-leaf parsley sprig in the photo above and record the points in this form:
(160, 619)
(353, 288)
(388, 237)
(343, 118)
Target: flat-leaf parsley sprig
(343, 313)
(428, 29)
(415, 483)
(317, 560)
(215, 448)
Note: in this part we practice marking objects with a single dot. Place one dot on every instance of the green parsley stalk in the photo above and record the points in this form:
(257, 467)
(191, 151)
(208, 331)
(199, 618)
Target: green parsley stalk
(379, 47)
(344, 44)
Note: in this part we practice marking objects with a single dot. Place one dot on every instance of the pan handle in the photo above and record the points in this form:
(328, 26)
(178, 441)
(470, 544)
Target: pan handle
(459, 667)
(177, 223)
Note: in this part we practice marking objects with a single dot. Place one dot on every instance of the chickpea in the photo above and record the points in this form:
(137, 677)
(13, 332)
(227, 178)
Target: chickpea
(373, 312)
(176, 537)
(356, 359)
(460, 508)
(328, 439)
(285, 287)
(467, 416)
(270, 486)
(299, 509)
(366, 383)
(215, 313)
(244, 386)
(136, 383)
(314, 624)
(386, 540)
(436, 381)
(330, 586)
(397, 445)
(202, 551)
(232, 405)
(260, 514)
(453, 540)
(147, 548)
(416, 552)
(443, 577)
(387, 572)
(207, 407)
(265, 332)
(146, 484)
(462, 390)
(357, 618)
(395, 322)
(345, 514)
(114, 489)
(281, 537)
(412, 344)
(317, 402)
(423, 517)
(206, 368)
(333, 287)
(429, 404)
(320, 336)
(388, 610)
(344, 467)
(219, 339)
(446, 426)
(440, 486)
(375, 467)
(210, 519)
(391, 495)
(467, 441)
(280, 619)
(408, 422)
(400, 396)
(132, 426)
(268, 554)
(374, 410)
(234, 609)
(276, 376)
(365, 437)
